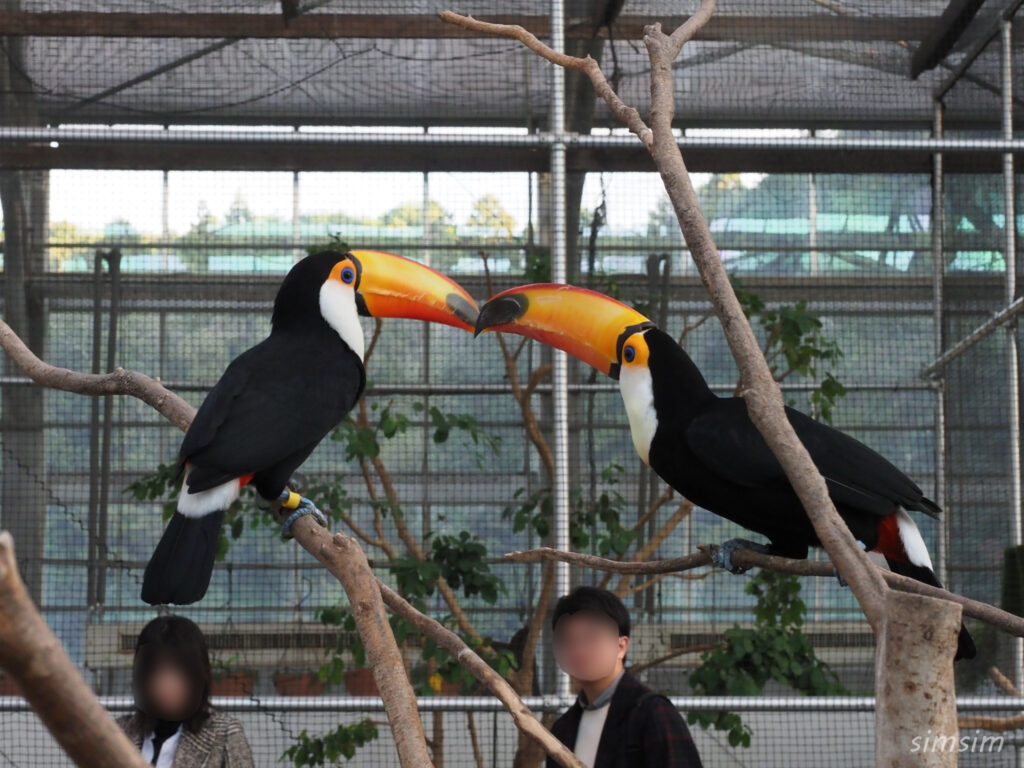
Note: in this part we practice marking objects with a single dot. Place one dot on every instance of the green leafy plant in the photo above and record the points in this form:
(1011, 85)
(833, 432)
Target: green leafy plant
(425, 682)
(774, 649)
(599, 522)
(330, 747)
(334, 243)
(164, 484)
(795, 344)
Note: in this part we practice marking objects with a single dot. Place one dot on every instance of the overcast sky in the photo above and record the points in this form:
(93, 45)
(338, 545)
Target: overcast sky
(92, 199)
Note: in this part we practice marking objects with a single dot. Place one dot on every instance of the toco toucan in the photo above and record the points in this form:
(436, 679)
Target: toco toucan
(707, 448)
(276, 401)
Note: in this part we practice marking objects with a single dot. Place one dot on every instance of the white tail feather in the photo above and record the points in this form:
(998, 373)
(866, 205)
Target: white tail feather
(912, 540)
(209, 501)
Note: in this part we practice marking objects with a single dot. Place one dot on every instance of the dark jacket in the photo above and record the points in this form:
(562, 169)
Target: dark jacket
(220, 743)
(654, 737)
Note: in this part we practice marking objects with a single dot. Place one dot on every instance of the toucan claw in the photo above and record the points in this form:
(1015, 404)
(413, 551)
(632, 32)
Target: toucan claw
(839, 576)
(722, 554)
(306, 507)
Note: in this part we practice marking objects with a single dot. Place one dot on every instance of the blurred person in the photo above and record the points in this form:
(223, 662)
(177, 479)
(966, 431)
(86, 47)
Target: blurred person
(616, 721)
(173, 723)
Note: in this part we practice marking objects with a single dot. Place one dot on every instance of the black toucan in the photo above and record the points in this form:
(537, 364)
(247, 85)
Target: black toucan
(707, 448)
(279, 399)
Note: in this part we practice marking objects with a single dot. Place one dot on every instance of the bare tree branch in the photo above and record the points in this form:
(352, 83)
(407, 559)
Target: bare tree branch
(915, 688)
(761, 392)
(995, 723)
(588, 66)
(524, 719)
(36, 661)
(997, 617)
(340, 554)
(344, 558)
(120, 382)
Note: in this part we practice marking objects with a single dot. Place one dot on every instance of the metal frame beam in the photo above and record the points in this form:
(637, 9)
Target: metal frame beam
(944, 35)
(965, 63)
(726, 27)
(545, 703)
(146, 149)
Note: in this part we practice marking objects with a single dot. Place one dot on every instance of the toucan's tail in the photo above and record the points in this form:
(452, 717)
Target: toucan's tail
(965, 644)
(179, 570)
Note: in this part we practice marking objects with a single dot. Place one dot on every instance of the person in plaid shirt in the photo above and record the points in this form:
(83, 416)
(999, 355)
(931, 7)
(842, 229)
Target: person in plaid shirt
(616, 721)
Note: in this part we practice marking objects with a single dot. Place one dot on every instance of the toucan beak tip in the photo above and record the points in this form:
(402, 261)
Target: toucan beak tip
(464, 309)
(500, 310)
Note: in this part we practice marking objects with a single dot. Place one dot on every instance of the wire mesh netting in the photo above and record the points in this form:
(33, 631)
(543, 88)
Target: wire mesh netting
(161, 175)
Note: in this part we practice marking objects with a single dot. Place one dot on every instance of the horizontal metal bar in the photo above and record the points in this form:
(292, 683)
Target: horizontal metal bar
(1000, 318)
(498, 137)
(778, 28)
(545, 703)
(386, 390)
(828, 242)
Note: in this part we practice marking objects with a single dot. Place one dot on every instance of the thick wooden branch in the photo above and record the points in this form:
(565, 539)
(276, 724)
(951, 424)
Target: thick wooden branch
(1007, 622)
(995, 723)
(340, 554)
(905, 673)
(760, 390)
(49, 680)
(346, 561)
(524, 719)
(120, 382)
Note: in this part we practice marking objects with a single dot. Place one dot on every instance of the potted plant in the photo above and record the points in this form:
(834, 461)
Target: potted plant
(359, 682)
(301, 683)
(231, 681)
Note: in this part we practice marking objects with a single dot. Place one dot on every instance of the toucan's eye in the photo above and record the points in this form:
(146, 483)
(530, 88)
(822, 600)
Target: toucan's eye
(628, 354)
(348, 275)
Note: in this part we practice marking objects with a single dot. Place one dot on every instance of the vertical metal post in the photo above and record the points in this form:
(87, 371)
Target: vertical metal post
(165, 220)
(938, 225)
(812, 221)
(426, 513)
(1010, 258)
(812, 240)
(560, 373)
(297, 252)
(425, 214)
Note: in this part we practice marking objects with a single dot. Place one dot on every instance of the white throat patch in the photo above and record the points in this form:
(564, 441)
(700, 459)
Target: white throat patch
(338, 307)
(638, 396)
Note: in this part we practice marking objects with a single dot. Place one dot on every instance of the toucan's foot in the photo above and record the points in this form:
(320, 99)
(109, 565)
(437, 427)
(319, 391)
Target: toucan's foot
(839, 576)
(722, 556)
(301, 506)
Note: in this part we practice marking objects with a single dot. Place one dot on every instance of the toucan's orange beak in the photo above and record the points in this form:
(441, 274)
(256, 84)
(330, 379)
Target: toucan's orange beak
(394, 286)
(586, 324)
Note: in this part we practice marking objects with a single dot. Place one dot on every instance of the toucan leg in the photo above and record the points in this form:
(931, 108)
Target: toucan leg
(839, 576)
(722, 555)
(301, 506)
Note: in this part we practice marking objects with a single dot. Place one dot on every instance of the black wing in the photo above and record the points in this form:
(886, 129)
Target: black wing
(268, 406)
(726, 441)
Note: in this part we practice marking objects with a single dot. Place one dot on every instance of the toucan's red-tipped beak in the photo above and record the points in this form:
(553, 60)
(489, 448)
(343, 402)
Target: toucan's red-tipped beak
(586, 324)
(394, 286)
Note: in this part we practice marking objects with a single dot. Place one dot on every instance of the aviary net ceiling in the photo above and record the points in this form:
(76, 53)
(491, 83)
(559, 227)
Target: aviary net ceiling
(800, 62)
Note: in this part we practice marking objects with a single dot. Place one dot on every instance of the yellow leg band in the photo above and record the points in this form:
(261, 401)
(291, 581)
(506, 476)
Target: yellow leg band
(293, 501)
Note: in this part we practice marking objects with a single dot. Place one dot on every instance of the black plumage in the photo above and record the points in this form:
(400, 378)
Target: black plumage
(266, 414)
(707, 448)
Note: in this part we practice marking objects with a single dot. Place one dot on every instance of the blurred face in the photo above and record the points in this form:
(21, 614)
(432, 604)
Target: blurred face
(170, 692)
(587, 646)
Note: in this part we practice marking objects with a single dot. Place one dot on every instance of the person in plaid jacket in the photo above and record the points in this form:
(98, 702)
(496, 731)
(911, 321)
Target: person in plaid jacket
(616, 721)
